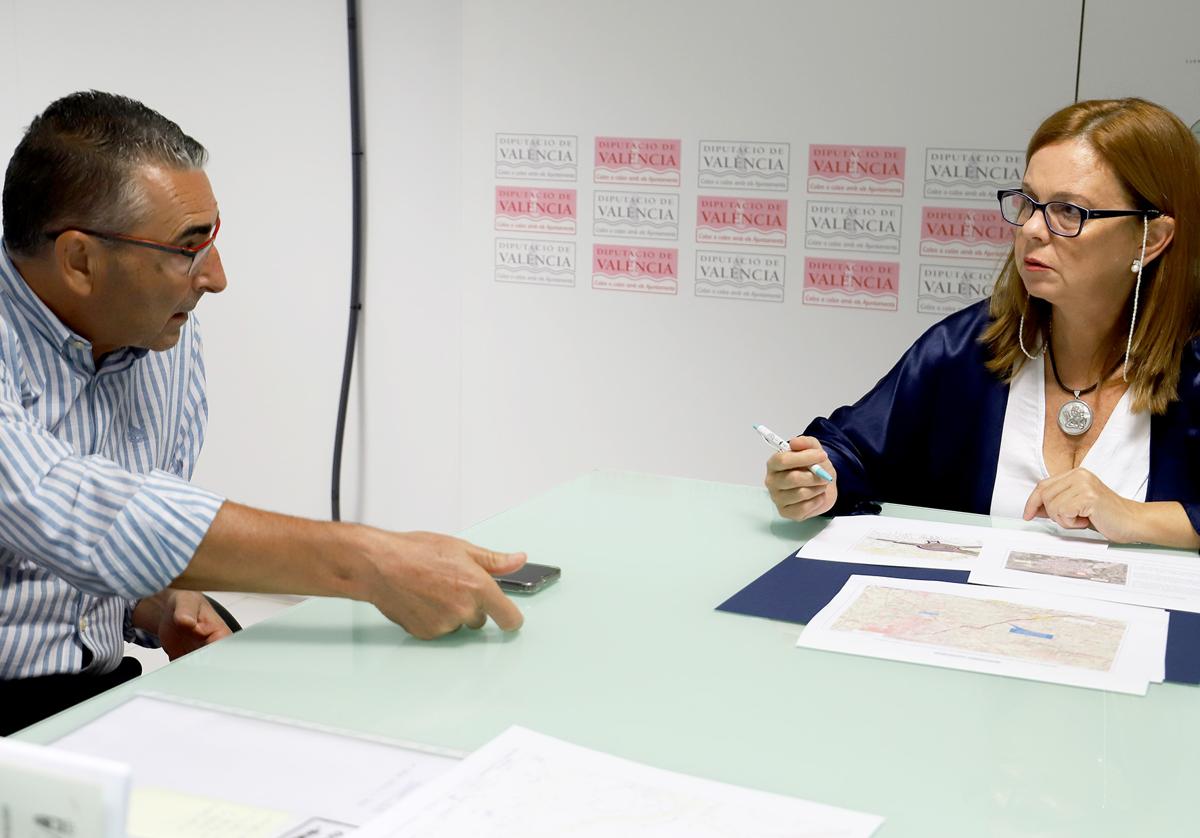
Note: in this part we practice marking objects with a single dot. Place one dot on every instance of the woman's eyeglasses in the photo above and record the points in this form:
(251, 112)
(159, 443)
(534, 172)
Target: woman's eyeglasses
(1062, 218)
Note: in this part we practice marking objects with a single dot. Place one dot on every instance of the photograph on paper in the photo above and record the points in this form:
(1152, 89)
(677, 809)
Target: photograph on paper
(1069, 567)
(909, 542)
(1156, 580)
(916, 545)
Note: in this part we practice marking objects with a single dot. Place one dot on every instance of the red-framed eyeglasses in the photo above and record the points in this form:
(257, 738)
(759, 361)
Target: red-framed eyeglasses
(196, 253)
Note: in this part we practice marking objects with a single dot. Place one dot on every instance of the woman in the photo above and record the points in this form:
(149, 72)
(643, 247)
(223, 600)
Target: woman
(1074, 393)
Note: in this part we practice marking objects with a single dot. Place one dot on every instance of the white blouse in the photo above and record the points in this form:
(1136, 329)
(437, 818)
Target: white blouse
(1120, 456)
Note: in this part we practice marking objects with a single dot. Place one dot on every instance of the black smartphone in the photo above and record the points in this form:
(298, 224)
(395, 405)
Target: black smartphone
(531, 578)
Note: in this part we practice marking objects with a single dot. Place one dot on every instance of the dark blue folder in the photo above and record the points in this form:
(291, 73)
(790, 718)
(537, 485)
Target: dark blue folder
(796, 589)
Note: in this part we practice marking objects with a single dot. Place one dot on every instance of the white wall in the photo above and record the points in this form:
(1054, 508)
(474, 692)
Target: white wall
(402, 465)
(473, 395)
(263, 86)
(561, 380)
(1151, 50)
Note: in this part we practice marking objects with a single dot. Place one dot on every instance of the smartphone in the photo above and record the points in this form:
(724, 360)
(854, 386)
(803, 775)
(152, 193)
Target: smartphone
(531, 578)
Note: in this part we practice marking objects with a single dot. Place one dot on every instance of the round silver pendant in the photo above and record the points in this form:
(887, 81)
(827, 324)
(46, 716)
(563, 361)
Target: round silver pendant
(1075, 417)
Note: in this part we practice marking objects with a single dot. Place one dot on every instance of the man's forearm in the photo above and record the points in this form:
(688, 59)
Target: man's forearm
(249, 549)
(428, 583)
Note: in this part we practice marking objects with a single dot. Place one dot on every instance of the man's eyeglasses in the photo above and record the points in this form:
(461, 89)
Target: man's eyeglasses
(1062, 218)
(195, 253)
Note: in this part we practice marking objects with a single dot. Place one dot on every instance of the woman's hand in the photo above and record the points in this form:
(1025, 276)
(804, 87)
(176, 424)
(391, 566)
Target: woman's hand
(1077, 498)
(799, 494)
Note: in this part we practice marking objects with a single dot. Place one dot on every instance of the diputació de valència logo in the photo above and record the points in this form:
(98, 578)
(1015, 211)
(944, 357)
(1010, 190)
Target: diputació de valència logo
(640, 161)
(552, 157)
(856, 170)
(944, 289)
(635, 215)
(727, 275)
(858, 227)
(964, 233)
(744, 164)
(535, 261)
(750, 220)
(973, 174)
(622, 267)
(852, 283)
(530, 209)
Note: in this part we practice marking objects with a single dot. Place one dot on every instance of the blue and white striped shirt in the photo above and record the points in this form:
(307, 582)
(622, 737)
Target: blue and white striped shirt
(95, 508)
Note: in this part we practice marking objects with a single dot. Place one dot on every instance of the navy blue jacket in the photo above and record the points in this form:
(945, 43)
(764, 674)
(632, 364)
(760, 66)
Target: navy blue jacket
(928, 434)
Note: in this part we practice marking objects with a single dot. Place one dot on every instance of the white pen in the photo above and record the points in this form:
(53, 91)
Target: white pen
(776, 441)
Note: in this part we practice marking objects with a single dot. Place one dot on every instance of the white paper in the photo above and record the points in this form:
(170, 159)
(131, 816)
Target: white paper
(257, 762)
(911, 542)
(1022, 634)
(1152, 579)
(48, 792)
(526, 785)
(155, 813)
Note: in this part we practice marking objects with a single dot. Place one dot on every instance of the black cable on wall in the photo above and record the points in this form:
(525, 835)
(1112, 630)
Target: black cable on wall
(356, 249)
(1079, 55)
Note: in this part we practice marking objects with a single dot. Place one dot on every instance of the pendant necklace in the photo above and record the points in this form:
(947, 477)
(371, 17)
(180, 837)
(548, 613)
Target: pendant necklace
(1074, 417)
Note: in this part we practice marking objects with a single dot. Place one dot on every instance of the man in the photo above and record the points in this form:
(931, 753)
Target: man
(110, 230)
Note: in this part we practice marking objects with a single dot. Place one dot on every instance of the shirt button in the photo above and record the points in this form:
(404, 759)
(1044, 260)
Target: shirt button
(78, 344)
(83, 624)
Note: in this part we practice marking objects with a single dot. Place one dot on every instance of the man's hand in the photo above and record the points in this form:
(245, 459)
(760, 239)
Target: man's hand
(797, 492)
(434, 584)
(183, 621)
(1077, 498)
(428, 583)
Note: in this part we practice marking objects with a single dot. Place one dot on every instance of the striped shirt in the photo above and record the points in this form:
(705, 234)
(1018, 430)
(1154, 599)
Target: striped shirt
(95, 508)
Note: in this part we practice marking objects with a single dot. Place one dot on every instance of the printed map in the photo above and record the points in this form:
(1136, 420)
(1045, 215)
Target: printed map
(987, 626)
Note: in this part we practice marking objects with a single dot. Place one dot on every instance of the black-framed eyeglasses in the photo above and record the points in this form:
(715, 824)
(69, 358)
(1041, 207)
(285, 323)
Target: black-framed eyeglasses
(1062, 218)
(195, 253)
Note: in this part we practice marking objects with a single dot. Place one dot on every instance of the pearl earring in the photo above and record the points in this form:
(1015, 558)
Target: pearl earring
(1136, 266)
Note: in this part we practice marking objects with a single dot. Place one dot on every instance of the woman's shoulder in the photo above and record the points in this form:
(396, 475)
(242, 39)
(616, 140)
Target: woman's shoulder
(956, 335)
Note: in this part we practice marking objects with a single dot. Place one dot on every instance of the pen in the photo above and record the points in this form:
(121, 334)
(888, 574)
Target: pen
(776, 441)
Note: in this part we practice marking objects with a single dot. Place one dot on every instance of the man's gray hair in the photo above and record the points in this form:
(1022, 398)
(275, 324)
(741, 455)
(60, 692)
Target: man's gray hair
(74, 167)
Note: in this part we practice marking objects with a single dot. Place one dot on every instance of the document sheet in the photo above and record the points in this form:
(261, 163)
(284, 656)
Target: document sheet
(526, 785)
(1023, 634)
(1139, 578)
(223, 774)
(909, 542)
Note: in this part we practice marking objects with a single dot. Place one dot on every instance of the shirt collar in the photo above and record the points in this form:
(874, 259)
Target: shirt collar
(73, 347)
